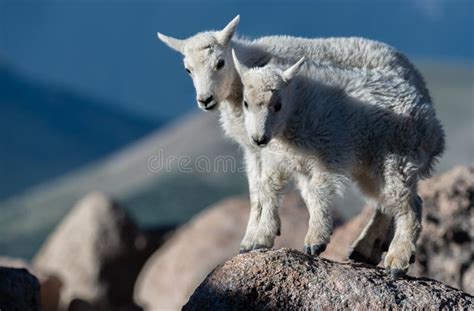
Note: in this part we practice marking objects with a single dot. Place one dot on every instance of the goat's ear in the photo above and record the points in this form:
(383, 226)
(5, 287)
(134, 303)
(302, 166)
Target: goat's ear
(291, 72)
(226, 34)
(239, 67)
(175, 44)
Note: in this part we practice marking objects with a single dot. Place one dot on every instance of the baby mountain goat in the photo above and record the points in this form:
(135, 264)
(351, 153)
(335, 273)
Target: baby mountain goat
(208, 60)
(331, 125)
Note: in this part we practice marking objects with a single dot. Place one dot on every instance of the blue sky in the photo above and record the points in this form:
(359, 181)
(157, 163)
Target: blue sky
(109, 49)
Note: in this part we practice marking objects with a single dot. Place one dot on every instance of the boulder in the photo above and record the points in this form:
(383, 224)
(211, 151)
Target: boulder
(286, 279)
(175, 270)
(445, 249)
(19, 290)
(444, 253)
(50, 285)
(97, 251)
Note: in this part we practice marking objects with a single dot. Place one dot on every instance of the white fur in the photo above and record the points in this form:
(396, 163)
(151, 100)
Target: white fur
(336, 125)
(204, 50)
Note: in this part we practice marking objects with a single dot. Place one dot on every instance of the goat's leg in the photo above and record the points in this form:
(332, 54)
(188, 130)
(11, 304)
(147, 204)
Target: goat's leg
(374, 239)
(265, 188)
(268, 192)
(317, 193)
(407, 230)
(253, 165)
(400, 200)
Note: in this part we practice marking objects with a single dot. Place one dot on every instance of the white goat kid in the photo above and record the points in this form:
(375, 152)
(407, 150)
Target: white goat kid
(330, 125)
(207, 58)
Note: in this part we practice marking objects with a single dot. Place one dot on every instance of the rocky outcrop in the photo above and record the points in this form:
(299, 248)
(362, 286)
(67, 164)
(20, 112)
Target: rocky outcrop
(175, 270)
(445, 250)
(97, 252)
(94, 256)
(446, 246)
(286, 279)
(50, 285)
(19, 290)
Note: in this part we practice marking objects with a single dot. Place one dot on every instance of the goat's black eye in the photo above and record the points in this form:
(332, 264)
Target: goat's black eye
(277, 107)
(246, 105)
(187, 70)
(220, 64)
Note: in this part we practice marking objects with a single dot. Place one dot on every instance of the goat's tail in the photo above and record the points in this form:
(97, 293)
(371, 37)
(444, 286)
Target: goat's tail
(436, 147)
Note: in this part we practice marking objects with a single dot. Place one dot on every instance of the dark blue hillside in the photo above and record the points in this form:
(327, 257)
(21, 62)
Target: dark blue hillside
(46, 131)
(110, 49)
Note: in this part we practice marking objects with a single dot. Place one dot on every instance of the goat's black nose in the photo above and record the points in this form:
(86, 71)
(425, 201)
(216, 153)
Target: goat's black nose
(206, 101)
(260, 141)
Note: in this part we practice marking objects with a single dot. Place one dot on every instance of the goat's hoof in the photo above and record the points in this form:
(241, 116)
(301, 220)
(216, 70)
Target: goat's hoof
(243, 250)
(245, 247)
(397, 266)
(354, 255)
(314, 249)
(396, 273)
(259, 246)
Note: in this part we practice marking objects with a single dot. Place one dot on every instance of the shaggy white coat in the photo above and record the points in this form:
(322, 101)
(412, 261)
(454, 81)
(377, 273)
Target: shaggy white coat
(330, 125)
(208, 59)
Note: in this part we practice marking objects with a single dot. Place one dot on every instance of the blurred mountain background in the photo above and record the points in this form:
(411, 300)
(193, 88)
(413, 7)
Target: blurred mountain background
(46, 131)
(88, 96)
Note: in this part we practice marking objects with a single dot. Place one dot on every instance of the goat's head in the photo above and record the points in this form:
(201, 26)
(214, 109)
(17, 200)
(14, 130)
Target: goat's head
(208, 60)
(265, 99)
